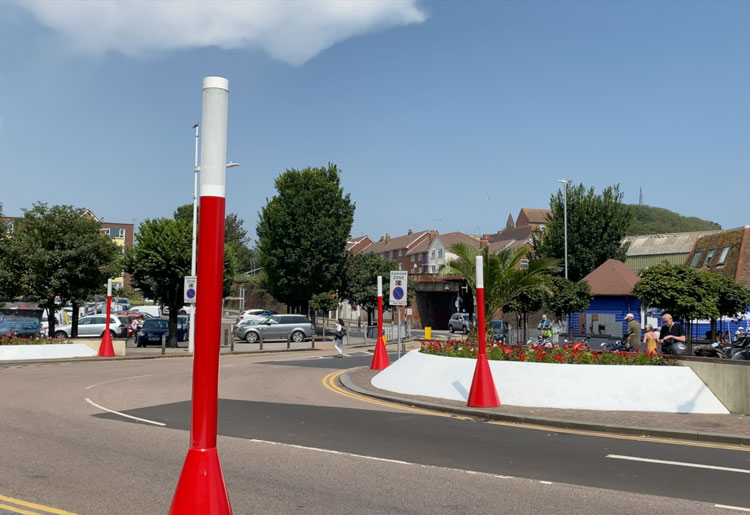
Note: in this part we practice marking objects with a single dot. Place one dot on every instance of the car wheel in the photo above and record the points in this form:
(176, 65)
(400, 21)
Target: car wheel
(298, 336)
(111, 333)
(251, 337)
(60, 335)
(465, 330)
(450, 328)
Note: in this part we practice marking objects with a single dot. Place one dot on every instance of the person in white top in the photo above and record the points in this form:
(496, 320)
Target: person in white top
(338, 340)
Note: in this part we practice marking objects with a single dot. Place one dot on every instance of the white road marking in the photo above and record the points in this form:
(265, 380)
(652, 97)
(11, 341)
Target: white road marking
(546, 482)
(736, 508)
(115, 380)
(385, 460)
(123, 414)
(677, 463)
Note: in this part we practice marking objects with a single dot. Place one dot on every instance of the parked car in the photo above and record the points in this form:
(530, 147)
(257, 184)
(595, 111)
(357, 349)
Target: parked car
(152, 332)
(94, 326)
(24, 327)
(500, 330)
(254, 313)
(241, 327)
(122, 302)
(459, 322)
(183, 328)
(154, 311)
(280, 327)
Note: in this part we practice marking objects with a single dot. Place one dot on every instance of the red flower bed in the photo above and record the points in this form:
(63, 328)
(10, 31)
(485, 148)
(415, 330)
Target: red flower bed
(575, 353)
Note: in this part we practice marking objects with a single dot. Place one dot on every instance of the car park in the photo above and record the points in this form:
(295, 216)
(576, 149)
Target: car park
(296, 328)
(500, 330)
(459, 322)
(93, 326)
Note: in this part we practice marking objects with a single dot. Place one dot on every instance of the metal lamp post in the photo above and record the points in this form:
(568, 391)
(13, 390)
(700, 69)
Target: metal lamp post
(196, 169)
(565, 221)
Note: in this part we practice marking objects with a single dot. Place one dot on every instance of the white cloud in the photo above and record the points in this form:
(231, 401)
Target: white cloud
(293, 31)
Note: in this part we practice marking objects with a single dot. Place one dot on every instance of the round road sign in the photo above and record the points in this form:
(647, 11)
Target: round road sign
(190, 293)
(398, 293)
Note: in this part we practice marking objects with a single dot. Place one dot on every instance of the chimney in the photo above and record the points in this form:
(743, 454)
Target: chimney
(432, 236)
(381, 239)
(387, 237)
(510, 224)
(410, 232)
(483, 241)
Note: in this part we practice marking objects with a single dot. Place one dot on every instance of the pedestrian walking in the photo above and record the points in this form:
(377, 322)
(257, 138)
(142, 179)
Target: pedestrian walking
(633, 333)
(338, 340)
(650, 340)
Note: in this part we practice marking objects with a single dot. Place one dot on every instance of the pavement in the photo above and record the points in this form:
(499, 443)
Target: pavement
(730, 429)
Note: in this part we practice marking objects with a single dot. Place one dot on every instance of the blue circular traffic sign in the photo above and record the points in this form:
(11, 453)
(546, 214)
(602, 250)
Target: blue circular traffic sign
(398, 293)
(190, 293)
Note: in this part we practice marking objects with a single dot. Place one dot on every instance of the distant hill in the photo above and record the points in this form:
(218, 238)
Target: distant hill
(656, 220)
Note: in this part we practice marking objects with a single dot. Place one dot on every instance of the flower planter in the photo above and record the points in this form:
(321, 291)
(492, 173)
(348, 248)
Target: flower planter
(673, 389)
(45, 351)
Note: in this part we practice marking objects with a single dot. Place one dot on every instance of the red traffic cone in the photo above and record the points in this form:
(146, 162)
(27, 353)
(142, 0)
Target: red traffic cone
(380, 359)
(105, 348)
(201, 489)
(483, 393)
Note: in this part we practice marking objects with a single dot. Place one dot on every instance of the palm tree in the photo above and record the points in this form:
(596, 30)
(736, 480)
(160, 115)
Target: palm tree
(503, 279)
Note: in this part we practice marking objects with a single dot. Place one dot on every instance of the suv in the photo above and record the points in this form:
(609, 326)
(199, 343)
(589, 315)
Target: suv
(459, 322)
(94, 326)
(278, 327)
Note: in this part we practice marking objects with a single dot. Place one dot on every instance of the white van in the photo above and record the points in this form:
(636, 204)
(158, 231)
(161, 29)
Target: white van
(154, 311)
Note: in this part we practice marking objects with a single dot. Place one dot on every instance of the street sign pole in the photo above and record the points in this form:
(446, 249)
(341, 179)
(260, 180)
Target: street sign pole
(201, 489)
(380, 359)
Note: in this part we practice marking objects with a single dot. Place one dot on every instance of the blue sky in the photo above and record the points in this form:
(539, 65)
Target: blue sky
(442, 115)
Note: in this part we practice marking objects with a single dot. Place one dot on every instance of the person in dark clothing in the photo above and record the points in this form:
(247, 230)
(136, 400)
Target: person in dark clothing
(670, 333)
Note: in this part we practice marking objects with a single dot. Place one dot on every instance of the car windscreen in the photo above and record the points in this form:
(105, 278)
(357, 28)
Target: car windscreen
(155, 324)
(497, 324)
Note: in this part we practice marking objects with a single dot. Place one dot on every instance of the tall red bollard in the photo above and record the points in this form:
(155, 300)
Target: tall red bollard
(106, 350)
(201, 489)
(483, 393)
(380, 359)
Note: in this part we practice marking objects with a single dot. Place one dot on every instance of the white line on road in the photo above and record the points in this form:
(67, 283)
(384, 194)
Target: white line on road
(677, 463)
(123, 414)
(115, 380)
(736, 508)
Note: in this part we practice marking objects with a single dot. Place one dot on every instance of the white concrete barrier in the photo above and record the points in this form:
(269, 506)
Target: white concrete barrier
(674, 389)
(47, 351)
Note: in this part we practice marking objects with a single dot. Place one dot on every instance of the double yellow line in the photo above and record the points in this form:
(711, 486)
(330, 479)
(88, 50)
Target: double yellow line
(329, 382)
(19, 506)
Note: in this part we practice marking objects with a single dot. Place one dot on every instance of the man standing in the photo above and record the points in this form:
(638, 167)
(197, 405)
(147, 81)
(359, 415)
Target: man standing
(670, 334)
(633, 333)
(545, 325)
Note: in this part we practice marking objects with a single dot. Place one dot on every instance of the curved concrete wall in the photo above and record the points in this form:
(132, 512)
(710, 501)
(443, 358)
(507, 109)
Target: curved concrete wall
(51, 351)
(595, 387)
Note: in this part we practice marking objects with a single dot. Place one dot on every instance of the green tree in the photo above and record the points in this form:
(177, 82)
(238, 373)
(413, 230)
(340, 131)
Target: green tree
(504, 279)
(360, 285)
(302, 234)
(732, 299)
(527, 301)
(657, 220)
(6, 277)
(596, 227)
(566, 297)
(684, 292)
(159, 262)
(56, 252)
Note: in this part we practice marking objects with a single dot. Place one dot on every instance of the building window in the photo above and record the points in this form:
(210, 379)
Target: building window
(709, 257)
(524, 264)
(120, 233)
(424, 257)
(723, 256)
(400, 252)
(399, 265)
(696, 258)
(432, 269)
(440, 253)
(412, 258)
(432, 254)
(390, 254)
(104, 230)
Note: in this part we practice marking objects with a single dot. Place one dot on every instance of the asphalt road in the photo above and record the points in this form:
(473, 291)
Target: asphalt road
(290, 444)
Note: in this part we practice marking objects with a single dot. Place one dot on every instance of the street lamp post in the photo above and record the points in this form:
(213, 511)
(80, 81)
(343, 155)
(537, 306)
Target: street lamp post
(196, 169)
(565, 222)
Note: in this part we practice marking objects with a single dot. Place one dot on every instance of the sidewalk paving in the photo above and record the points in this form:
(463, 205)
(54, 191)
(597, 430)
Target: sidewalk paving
(723, 429)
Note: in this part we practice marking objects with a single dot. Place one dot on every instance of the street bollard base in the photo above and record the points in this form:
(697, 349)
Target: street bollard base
(201, 489)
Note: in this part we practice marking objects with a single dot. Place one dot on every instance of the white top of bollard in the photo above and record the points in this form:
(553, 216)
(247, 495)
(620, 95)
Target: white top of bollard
(216, 82)
(480, 272)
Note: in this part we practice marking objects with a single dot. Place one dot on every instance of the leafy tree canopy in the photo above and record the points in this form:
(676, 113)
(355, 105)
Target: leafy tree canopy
(302, 234)
(57, 252)
(566, 296)
(159, 262)
(733, 298)
(684, 292)
(360, 284)
(657, 220)
(324, 302)
(596, 227)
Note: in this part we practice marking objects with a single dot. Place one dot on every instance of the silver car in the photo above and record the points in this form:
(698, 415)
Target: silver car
(93, 327)
(277, 327)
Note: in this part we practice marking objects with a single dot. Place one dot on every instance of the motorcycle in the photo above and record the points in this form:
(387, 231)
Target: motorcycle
(676, 348)
(618, 346)
(740, 349)
(715, 350)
